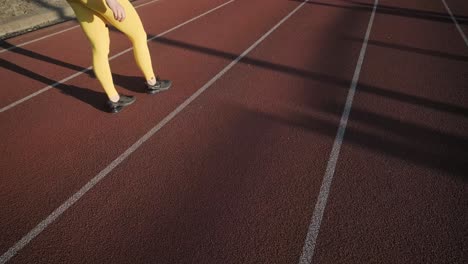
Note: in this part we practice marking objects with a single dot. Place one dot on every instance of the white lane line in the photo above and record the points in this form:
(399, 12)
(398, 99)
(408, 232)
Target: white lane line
(150, 2)
(35, 40)
(88, 186)
(59, 32)
(111, 58)
(314, 227)
(456, 23)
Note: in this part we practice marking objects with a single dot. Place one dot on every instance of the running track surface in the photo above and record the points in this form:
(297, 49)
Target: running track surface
(256, 167)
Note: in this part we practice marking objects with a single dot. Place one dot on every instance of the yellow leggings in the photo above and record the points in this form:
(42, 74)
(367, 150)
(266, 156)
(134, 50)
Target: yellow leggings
(92, 16)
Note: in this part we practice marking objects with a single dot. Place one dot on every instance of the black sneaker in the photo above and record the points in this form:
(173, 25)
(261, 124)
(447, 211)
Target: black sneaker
(119, 105)
(161, 85)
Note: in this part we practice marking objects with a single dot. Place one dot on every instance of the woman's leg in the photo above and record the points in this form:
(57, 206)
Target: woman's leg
(132, 27)
(98, 35)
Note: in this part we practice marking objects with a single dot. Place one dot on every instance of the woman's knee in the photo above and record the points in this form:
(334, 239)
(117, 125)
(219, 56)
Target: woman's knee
(101, 41)
(139, 36)
(101, 50)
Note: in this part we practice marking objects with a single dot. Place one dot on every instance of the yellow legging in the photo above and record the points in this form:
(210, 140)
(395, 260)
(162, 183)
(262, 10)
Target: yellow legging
(92, 16)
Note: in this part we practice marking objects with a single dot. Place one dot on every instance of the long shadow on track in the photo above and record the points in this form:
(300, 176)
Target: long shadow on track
(90, 97)
(342, 83)
(434, 53)
(410, 142)
(128, 82)
(95, 99)
(396, 11)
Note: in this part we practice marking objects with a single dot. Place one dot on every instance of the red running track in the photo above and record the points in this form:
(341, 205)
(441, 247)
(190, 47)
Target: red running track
(234, 176)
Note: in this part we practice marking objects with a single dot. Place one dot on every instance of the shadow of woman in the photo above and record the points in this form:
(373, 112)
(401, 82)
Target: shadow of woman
(93, 98)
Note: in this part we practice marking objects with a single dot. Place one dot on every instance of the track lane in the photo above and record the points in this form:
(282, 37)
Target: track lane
(227, 181)
(29, 162)
(400, 183)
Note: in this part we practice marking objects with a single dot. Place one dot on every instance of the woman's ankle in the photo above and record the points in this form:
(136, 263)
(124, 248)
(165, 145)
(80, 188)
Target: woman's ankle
(114, 98)
(151, 81)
